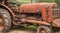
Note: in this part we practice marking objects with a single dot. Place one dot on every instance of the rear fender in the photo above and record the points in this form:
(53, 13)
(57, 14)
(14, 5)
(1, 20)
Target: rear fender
(7, 8)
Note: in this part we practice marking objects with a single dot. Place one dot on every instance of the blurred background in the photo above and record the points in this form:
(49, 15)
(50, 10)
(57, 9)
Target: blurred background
(34, 1)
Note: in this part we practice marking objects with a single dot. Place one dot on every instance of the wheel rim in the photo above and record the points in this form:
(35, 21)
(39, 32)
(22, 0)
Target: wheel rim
(1, 23)
(42, 31)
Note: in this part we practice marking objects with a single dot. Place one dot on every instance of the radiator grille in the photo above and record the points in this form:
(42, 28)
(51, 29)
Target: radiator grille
(55, 12)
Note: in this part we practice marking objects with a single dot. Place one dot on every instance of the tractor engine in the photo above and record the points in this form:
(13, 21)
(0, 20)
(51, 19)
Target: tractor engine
(31, 11)
(34, 11)
(39, 11)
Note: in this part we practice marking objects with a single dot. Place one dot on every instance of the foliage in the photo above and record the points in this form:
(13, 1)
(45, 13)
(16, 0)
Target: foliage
(28, 1)
(34, 1)
(47, 0)
(37, 0)
(58, 2)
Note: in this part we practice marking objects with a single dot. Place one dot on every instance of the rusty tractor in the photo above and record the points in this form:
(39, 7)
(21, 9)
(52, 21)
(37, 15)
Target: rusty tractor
(44, 15)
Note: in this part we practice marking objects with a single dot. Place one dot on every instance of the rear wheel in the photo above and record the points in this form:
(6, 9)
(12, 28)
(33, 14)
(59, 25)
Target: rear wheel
(44, 29)
(1, 23)
(5, 20)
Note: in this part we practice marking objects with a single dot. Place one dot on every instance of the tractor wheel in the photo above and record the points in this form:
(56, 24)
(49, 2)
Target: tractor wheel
(44, 29)
(5, 20)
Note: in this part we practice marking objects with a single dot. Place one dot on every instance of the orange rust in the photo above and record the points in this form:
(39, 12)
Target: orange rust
(32, 8)
(44, 13)
(56, 23)
(43, 31)
(35, 22)
(3, 1)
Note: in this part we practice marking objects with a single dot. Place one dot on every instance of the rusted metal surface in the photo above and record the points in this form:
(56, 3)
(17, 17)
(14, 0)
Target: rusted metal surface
(35, 22)
(3, 1)
(38, 7)
(55, 12)
(46, 10)
(47, 13)
(43, 31)
(56, 23)
(8, 9)
(32, 8)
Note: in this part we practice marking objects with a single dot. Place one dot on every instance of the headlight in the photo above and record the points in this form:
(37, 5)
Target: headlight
(47, 6)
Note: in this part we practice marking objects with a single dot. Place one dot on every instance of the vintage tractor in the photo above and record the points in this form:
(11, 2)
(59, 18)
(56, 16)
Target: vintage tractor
(44, 15)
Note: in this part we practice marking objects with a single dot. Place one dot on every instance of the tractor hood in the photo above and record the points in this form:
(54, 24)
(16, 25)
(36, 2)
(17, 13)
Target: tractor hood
(34, 8)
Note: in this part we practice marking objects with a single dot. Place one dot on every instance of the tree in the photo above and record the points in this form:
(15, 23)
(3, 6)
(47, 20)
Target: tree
(58, 2)
(37, 1)
(45, 1)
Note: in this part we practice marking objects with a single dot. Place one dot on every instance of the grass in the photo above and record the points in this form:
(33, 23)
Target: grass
(31, 27)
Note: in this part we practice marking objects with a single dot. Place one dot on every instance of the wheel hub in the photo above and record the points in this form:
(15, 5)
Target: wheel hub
(43, 31)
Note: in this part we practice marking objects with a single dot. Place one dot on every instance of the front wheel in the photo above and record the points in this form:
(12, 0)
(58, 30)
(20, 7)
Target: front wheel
(44, 29)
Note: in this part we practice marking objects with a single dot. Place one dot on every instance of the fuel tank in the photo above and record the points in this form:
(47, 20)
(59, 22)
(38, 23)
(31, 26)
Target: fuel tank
(34, 7)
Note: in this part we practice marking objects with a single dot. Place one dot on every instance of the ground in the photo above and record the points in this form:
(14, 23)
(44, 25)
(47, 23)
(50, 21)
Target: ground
(22, 30)
(30, 29)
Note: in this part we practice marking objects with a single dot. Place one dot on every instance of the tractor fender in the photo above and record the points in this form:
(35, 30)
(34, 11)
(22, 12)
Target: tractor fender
(7, 8)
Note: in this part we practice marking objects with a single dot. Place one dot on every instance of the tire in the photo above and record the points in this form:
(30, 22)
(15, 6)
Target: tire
(45, 29)
(6, 20)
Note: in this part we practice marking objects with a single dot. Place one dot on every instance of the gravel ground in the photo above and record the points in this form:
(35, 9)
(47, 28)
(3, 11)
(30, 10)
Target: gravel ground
(25, 30)
(21, 30)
